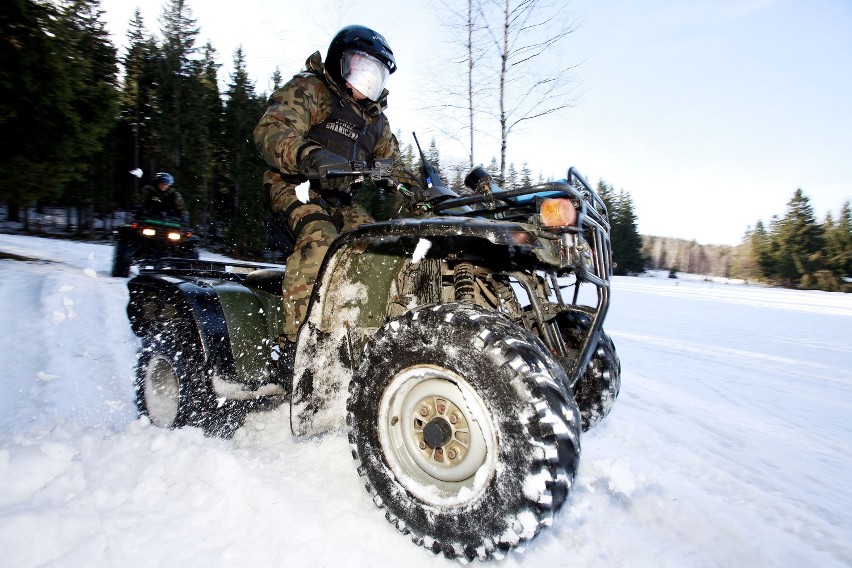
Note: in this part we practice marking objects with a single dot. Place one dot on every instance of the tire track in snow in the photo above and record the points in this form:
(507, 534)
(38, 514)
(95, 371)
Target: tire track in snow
(663, 438)
(24, 373)
(777, 298)
(71, 310)
(806, 369)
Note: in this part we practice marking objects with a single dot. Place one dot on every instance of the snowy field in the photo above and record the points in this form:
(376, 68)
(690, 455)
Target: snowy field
(729, 445)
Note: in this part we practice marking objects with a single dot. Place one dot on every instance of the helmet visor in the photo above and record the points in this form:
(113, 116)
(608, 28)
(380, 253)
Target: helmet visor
(364, 73)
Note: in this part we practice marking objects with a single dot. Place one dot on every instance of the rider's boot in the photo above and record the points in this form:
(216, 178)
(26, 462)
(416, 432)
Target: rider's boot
(282, 361)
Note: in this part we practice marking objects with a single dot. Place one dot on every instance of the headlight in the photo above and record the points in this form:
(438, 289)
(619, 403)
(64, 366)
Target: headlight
(174, 236)
(558, 213)
(149, 232)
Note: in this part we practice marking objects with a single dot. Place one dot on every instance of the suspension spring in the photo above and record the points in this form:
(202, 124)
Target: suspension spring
(463, 282)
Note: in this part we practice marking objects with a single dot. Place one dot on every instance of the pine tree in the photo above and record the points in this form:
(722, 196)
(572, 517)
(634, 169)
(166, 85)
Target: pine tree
(606, 193)
(838, 242)
(493, 170)
(179, 33)
(798, 241)
(203, 154)
(526, 175)
(625, 237)
(624, 234)
(434, 157)
(140, 77)
(242, 164)
(512, 177)
(277, 79)
(33, 76)
(752, 256)
(92, 69)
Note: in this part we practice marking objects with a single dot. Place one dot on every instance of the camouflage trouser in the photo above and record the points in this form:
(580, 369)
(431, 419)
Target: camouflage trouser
(315, 228)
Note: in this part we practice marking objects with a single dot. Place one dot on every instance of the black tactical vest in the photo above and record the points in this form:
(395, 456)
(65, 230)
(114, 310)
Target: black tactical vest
(347, 133)
(161, 202)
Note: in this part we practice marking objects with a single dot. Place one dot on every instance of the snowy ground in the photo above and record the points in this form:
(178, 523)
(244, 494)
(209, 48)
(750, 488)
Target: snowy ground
(729, 445)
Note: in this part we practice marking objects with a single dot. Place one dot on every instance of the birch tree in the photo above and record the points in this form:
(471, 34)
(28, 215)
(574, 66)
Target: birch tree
(534, 81)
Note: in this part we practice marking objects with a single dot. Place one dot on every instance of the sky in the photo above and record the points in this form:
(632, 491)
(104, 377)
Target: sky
(709, 113)
(728, 444)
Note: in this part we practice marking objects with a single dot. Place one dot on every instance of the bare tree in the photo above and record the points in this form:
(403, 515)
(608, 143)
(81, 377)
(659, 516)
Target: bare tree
(459, 98)
(524, 33)
(470, 61)
(513, 72)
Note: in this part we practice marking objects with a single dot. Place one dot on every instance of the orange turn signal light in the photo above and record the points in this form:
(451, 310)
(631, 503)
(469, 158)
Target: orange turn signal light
(558, 213)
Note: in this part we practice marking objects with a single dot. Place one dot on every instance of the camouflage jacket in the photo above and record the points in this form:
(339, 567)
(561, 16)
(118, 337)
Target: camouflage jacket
(150, 200)
(303, 102)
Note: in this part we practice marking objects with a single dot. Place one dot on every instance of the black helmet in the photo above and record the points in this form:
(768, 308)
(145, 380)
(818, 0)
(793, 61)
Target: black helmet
(357, 38)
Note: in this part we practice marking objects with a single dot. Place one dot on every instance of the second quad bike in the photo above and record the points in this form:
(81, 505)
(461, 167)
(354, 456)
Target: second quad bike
(461, 349)
(147, 239)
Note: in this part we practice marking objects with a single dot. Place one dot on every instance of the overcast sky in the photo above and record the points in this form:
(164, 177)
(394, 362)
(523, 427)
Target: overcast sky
(709, 113)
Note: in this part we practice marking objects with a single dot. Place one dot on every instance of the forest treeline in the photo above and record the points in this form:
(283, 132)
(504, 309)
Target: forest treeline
(76, 117)
(73, 128)
(794, 250)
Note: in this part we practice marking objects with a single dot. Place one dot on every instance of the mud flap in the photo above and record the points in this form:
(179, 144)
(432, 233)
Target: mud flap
(322, 372)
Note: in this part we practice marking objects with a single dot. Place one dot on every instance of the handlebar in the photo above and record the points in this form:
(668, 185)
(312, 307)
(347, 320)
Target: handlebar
(359, 169)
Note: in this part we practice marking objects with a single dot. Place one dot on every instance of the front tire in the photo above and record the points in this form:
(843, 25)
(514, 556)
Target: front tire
(122, 258)
(463, 430)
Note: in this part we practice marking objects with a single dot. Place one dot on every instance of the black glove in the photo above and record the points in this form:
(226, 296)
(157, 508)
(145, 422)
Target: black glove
(318, 163)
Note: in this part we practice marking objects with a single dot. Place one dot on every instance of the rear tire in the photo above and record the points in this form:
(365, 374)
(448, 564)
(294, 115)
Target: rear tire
(173, 386)
(598, 387)
(463, 431)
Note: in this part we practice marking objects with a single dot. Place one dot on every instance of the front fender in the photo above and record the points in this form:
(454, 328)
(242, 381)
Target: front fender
(358, 289)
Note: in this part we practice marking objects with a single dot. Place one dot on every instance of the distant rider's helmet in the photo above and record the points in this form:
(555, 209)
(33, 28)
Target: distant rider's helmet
(361, 57)
(164, 177)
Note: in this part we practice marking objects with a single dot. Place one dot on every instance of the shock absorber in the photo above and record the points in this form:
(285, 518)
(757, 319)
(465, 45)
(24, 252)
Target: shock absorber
(463, 282)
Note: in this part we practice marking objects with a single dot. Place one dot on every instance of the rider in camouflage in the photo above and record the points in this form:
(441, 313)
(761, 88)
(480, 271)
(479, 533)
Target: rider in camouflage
(318, 121)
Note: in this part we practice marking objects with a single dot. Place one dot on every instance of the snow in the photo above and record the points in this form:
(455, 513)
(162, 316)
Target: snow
(423, 246)
(303, 192)
(728, 446)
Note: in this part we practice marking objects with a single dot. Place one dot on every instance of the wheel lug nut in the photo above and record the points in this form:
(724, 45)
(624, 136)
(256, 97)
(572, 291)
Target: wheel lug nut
(451, 454)
(424, 411)
(422, 445)
(453, 419)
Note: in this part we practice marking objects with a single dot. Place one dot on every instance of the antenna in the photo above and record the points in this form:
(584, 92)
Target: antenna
(428, 171)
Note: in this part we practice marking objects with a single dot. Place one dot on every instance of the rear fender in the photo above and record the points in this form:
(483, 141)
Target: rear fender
(233, 323)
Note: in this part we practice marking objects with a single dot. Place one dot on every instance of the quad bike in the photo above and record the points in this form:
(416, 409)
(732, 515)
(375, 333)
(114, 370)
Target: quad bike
(148, 239)
(454, 348)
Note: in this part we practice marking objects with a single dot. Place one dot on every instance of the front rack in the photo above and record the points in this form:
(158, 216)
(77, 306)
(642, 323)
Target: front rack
(593, 246)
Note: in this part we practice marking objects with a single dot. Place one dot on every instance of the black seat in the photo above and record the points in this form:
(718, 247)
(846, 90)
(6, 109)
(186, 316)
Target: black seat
(266, 279)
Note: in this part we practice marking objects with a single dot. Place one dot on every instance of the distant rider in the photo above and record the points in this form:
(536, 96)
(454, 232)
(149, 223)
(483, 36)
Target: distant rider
(161, 199)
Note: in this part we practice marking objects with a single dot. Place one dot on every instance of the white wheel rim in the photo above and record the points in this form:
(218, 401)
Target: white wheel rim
(437, 435)
(162, 392)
